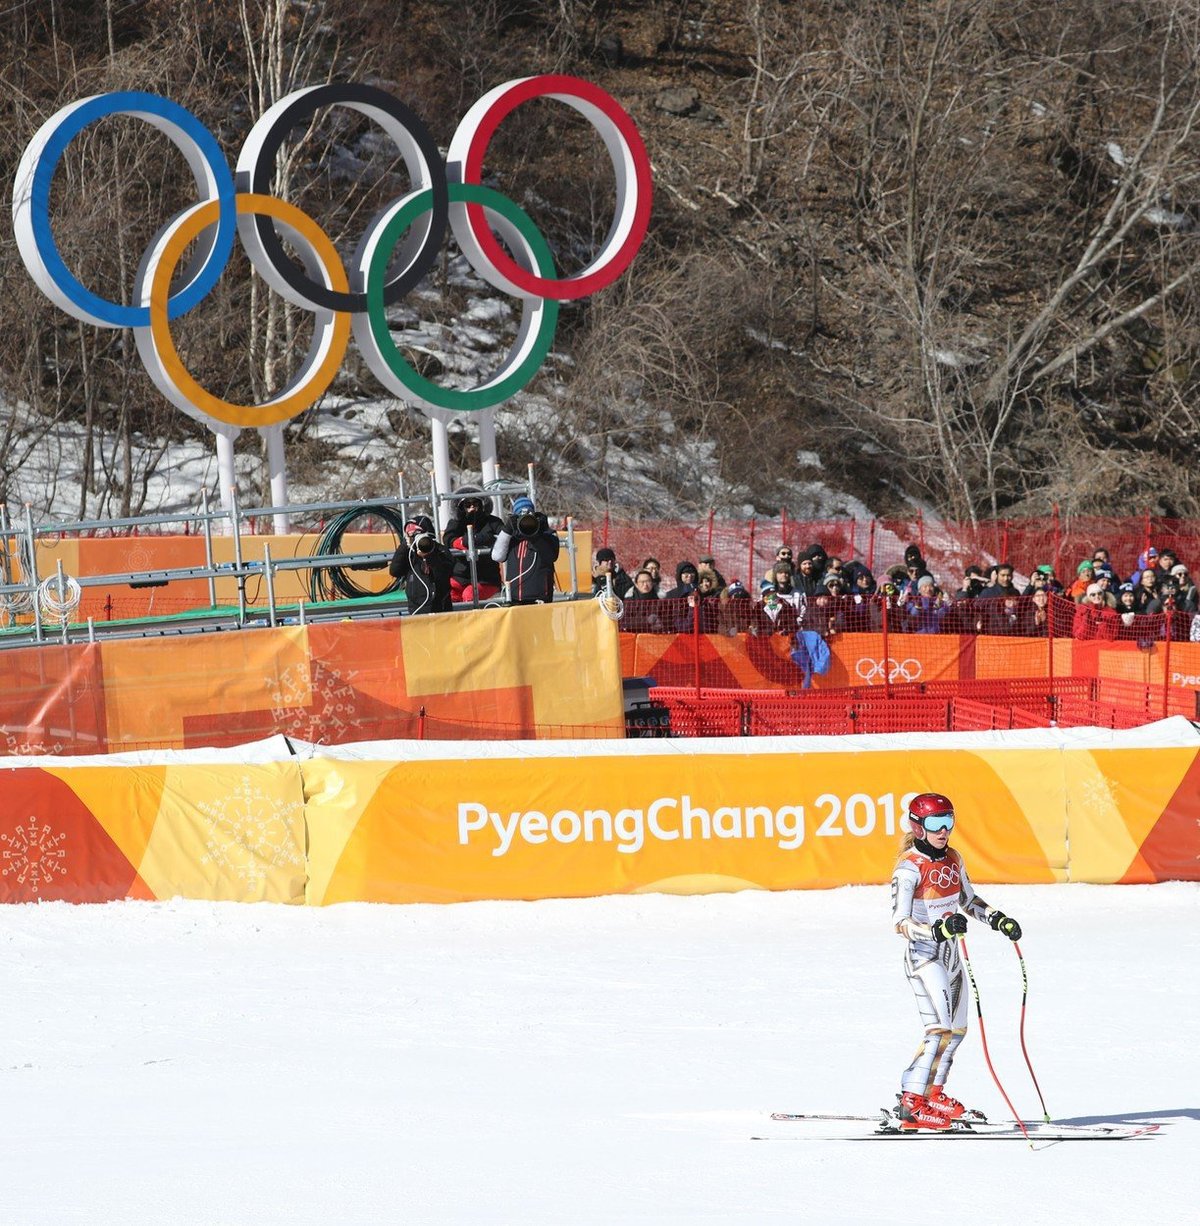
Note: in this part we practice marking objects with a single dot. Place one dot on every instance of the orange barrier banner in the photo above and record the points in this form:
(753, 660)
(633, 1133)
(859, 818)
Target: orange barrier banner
(217, 830)
(745, 662)
(407, 822)
(473, 674)
(700, 816)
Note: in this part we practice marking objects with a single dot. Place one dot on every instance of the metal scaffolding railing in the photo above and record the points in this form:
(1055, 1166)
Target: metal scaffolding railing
(37, 608)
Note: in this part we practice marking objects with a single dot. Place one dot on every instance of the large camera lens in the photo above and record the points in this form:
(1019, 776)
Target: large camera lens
(423, 544)
(527, 524)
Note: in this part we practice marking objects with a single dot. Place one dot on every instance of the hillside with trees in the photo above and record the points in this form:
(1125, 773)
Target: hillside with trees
(944, 251)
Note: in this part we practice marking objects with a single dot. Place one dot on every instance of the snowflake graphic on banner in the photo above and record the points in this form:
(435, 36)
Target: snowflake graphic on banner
(250, 833)
(33, 854)
(1097, 795)
(331, 700)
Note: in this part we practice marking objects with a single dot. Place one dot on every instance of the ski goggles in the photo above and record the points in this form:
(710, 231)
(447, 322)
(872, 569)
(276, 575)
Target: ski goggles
(939, 821)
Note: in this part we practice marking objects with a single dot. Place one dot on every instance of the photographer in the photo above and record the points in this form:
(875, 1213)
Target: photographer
(471, 511)
(528, 547)
(423, 565)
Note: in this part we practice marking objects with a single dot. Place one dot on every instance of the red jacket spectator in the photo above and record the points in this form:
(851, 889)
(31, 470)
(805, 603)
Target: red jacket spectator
(1093, 618)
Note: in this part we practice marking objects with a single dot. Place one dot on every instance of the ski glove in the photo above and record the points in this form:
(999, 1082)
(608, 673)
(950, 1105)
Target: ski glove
(950, 926)
(1002, 923)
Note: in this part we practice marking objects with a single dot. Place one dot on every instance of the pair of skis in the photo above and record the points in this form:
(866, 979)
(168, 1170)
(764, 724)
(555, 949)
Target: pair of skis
(887, 1127)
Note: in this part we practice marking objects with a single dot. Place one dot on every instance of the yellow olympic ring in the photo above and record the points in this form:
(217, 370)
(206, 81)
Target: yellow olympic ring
(331, 329)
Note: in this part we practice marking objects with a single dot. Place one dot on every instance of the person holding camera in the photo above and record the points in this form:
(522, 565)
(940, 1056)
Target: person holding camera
(528, 548)
(472, 510)
(423, 566)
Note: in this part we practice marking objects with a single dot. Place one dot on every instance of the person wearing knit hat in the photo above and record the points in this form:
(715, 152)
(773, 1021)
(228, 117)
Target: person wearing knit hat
(1093, 618)
(1188, 598)
(528, 548)
(608, 567)
(1085, 576)
(472, 524)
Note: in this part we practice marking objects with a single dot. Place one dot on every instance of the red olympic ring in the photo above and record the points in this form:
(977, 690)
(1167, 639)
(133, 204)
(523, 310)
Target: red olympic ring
(630, 161)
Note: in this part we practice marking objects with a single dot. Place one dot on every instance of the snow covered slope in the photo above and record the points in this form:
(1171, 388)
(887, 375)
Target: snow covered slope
(595, 1061)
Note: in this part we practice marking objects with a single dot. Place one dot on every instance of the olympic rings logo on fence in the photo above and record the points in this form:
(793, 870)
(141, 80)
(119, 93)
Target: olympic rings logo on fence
(871, 670)
(945, 876)
(444, 194)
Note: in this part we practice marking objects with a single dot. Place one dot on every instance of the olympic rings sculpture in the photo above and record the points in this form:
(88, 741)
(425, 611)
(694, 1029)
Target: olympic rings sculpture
(399, 246)
(871, 670)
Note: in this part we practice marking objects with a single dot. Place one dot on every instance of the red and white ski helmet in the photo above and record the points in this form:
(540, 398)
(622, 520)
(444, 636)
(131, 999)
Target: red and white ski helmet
(927, 804)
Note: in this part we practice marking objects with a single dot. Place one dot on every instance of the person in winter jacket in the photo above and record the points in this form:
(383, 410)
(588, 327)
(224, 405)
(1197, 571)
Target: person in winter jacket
(708, 596)
(1145, 592)
(423, 565)
(1093, 618)
(1085, 576)
(607, 567)
(770, 615)
(925, 609)
(643, 614)
(1003, 588)
(932, 898)
(1166, 562)
(785, 586)
(1033, 618)
(653, 567)
(528, 548)
(472, 510)
(809, 569)
(1125, 609)
(686, 574)
(710, 563)
(782, 554)
(1189, 597)
(863, 611)
(1146, 561)
(820, 559)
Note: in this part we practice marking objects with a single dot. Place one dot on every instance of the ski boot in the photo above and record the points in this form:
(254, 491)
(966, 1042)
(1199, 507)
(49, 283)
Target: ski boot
(916, 1111)
(941, 1102)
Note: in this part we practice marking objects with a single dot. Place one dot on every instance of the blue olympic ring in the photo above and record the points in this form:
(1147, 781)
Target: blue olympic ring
(205, 270)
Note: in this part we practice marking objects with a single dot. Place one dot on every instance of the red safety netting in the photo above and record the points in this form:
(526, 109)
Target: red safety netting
(734, 643)
(962, 706)
(744, 549)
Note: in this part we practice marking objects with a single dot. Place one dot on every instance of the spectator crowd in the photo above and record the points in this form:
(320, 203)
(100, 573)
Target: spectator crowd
(480, 555)
(816, 592)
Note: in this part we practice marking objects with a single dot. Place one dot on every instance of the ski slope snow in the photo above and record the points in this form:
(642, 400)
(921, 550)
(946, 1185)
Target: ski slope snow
(587, 1061)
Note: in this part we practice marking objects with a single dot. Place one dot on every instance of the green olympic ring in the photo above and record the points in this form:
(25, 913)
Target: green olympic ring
(539, 317)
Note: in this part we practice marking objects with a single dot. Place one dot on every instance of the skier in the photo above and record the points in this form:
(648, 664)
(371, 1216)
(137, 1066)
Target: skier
(929, 886)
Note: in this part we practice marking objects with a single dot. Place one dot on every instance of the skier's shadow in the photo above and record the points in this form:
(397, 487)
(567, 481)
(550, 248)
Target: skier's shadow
(1136, 1117)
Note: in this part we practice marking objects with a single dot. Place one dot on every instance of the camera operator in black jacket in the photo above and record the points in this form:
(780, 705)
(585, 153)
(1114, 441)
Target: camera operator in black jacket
(528, 547)
(423, 565)
(473, 510)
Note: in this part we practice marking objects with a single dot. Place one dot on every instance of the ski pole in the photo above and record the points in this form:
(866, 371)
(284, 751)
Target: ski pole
(1029, 1064)
(983, 1039)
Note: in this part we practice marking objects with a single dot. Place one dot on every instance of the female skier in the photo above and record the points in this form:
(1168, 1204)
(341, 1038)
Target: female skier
(929, 886)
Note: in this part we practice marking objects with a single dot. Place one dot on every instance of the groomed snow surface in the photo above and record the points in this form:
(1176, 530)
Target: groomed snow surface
(588, 1061)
